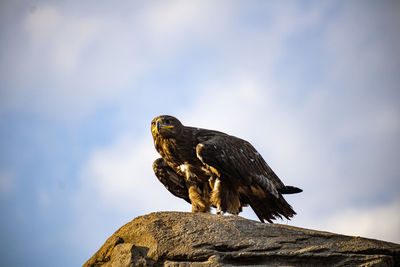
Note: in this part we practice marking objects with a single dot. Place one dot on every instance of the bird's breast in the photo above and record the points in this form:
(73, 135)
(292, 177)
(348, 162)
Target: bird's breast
(181, 156)
(193, 172)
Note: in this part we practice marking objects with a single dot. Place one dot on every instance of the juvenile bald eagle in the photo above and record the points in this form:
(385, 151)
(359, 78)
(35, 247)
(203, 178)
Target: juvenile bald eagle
(212, 169)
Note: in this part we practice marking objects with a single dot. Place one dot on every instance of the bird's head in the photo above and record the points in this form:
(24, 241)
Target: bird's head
(166, 126)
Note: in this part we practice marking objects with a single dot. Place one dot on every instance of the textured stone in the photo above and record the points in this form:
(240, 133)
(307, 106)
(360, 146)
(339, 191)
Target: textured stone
(198, 239)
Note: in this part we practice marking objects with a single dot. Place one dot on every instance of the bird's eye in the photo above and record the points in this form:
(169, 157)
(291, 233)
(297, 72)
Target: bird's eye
(153, 123)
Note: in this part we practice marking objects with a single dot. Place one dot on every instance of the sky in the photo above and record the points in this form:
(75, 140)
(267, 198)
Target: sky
(313, 85)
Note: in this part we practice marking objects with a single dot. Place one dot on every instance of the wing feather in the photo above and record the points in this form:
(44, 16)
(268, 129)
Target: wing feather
(238, 163)
(172, 181)
(237, 158)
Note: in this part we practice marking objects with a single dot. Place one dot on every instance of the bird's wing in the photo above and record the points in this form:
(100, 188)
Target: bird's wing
(237, 159)
(238, 163)
(172, 181)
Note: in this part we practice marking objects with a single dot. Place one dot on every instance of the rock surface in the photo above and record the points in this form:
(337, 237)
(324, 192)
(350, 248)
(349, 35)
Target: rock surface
(198, 239)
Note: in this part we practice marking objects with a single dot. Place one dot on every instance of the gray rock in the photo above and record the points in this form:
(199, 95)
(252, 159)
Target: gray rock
(198, 239)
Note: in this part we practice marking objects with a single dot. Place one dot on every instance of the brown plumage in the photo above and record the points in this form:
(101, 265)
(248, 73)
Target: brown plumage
(212, 169)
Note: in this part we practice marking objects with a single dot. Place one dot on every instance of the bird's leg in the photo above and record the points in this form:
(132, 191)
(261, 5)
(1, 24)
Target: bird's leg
(219, 211)
(212, 182)
(199, 202)
(224, 198)
(216, 195)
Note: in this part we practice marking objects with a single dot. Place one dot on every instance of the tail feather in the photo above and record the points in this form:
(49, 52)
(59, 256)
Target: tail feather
(271, 208)
(290, 190)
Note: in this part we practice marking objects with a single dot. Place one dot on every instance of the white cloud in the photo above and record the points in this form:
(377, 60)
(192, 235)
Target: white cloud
(73, 62)
(42, 23)
(379, 222)
(123, 177)
(172, 21)
(59, 39)
(117, 184)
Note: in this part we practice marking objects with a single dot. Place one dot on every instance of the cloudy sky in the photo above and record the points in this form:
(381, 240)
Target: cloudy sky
(313, 85)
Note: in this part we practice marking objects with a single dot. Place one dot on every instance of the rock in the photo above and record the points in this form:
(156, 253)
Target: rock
(199, 239)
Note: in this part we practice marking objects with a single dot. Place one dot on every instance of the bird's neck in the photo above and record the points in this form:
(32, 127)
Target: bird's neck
(173, 148)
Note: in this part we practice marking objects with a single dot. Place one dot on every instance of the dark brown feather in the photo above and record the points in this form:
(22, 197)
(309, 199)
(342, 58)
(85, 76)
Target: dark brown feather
(238, 174)
(172, 181)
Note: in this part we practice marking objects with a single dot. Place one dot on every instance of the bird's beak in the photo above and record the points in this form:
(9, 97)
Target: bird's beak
(160, 125)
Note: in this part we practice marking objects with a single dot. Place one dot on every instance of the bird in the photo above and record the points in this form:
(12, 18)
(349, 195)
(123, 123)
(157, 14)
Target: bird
(212, 169)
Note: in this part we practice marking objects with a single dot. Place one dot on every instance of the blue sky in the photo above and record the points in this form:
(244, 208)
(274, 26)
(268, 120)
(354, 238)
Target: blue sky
(313, 85)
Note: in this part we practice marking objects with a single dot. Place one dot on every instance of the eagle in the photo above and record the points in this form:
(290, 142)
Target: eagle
(209, 168)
